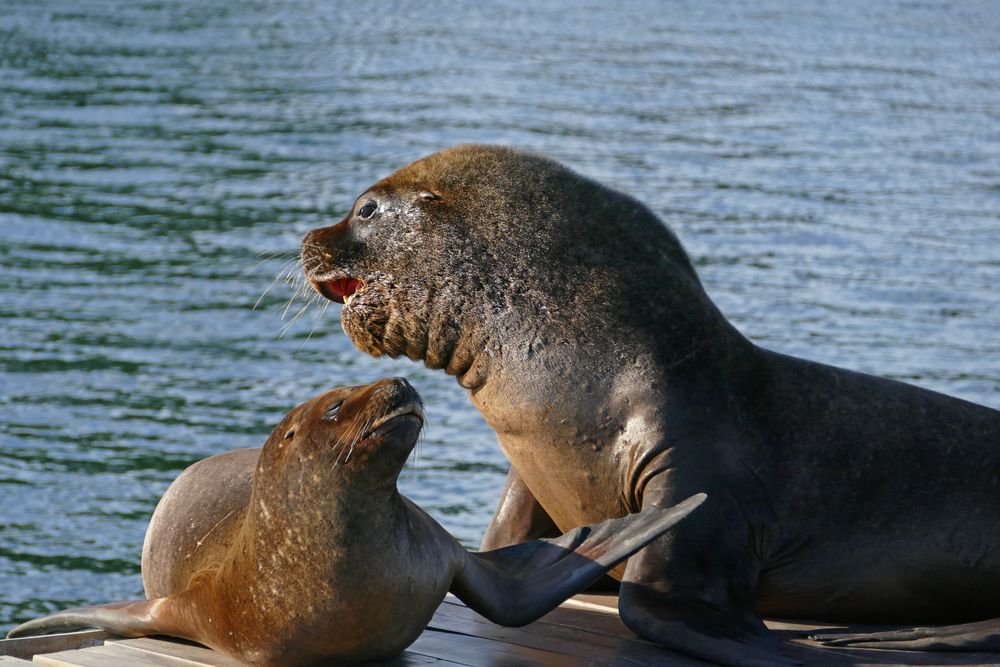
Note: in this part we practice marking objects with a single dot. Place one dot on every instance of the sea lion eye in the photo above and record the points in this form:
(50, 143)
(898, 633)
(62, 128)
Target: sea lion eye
(331, 412)
(290, 434)
(368, 210)
(428, 196)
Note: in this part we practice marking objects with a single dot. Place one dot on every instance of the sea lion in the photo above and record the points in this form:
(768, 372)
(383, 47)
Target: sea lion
(580, 328)
(305, 553)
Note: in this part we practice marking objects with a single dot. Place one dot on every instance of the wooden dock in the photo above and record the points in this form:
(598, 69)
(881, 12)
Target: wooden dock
(584, 631)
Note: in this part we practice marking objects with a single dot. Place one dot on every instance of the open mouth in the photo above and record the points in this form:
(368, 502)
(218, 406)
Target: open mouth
(340, 290)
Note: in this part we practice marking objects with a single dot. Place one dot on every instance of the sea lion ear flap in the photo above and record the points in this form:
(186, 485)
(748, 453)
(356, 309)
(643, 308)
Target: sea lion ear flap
(518, 584)
(129, 619)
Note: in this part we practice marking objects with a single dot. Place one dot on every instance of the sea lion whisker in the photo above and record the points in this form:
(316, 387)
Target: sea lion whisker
(288, 271)
(271, 254)
(313, 246)
(351, 437)
(377, 420)
(347, 436)
(308, 266)
(295, 319)
(271, 257)
(421, 439)
(301, 290)
(361, 433)
(293, 264)
(301, 263)
(288, 305)
(306, 291)
(317, 316)
(348, 446)
(340, 446)
(314, 261)
(295, 277)
(358, 432)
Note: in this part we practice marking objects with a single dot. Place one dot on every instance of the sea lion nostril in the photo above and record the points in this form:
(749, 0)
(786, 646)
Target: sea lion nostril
(406, 391)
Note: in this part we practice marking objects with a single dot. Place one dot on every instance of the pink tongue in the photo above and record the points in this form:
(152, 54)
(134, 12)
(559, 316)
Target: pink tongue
(342, 288)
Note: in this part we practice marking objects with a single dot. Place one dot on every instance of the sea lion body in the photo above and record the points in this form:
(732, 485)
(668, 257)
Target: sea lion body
(184, 537)
(907, 501)
(304, 571)
(305, 553)
(577, 322)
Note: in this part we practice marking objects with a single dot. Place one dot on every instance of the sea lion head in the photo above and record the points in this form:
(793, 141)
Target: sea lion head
(476, 242)
(348, 437)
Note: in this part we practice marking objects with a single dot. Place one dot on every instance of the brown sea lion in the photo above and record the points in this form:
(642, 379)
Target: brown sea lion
(305, 553)
(577, 322)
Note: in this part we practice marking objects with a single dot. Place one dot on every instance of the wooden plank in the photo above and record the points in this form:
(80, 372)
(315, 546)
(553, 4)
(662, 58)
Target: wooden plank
(102, 656)
(482, 652)
(26, 647)
(584, 645)
(183, 653)
(191, 655)
(408, 659)
(603, 628)
(587, 632)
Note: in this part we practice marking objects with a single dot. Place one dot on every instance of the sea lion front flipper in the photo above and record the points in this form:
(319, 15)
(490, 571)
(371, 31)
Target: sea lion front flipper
(700, 631)
(516, 585)
(977, 636)
(129, 619)
(694, 589)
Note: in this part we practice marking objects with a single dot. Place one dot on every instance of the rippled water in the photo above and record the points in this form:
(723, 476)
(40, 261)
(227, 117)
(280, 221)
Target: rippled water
(834, 171)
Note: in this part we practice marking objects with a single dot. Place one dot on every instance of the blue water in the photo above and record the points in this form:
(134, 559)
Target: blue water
(833, 169)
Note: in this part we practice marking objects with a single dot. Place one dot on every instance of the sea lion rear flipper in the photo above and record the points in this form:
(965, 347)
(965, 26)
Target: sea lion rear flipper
(515, 585)
(978, 636)
(129, 619)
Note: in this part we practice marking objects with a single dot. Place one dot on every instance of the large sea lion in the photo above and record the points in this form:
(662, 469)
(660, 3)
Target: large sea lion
(305, 553)
(577, 323)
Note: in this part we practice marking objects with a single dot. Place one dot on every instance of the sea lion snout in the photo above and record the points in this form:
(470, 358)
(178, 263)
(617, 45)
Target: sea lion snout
(347, 425)
(376, 418)
(390, 399)
(324, 251)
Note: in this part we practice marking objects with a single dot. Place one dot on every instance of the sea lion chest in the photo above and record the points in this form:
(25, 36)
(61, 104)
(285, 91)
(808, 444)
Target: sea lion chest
(569, 441)
(380, 576)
